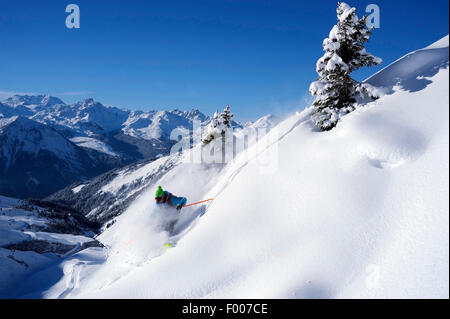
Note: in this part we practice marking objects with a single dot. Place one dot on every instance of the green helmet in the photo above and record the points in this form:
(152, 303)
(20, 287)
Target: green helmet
(159, 192)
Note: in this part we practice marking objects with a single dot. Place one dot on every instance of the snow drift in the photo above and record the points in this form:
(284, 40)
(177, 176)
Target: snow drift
(412, 71)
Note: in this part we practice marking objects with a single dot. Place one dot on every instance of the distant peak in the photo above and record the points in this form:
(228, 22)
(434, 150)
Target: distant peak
(42, 100)
(89, 101)
(194, 111)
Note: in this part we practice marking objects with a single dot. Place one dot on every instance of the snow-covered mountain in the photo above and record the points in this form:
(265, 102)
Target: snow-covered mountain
(32, 102)
(107, 124)
(36, 160)
(111, 137)
(159, 124)
(89, 117)
(107, 138)
(28, 105)
(358, 211)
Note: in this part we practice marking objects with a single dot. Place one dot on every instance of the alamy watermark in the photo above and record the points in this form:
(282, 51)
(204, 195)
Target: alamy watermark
(255, 145)
(373, 17)
(73, 19)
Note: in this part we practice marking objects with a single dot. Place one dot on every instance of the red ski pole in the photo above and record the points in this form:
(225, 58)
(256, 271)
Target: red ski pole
(206, 200)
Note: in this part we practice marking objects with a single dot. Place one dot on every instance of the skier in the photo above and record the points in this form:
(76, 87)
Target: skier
(166, 198)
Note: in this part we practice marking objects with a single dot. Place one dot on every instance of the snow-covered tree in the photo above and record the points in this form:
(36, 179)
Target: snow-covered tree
(219, 126)
(335, 90)
(227, 117)
(212, 129)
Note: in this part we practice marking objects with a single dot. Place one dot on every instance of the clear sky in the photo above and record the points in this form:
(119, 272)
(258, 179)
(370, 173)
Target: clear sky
(258, 56)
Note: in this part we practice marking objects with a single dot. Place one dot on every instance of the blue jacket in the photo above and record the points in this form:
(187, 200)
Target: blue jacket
(174, 201)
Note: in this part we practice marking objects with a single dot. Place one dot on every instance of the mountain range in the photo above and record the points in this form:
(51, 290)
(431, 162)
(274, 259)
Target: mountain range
(47, 144)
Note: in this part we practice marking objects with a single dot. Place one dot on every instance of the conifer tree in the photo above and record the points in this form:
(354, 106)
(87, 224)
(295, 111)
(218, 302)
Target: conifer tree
(335, 91)
(227, 117)
(211, 128)
(219, 126)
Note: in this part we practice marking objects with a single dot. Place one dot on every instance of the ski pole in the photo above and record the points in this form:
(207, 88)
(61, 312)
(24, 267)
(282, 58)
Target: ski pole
(206, 200)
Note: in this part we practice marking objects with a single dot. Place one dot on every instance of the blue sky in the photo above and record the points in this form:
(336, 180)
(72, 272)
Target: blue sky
(258, 56)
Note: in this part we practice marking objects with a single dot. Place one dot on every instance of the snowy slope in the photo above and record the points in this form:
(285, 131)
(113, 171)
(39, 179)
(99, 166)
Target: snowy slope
(267, 121)
(411, 72)
(92, 143)
(32, 238)
(360, 211)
